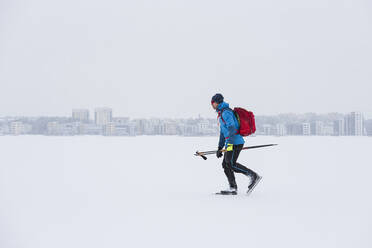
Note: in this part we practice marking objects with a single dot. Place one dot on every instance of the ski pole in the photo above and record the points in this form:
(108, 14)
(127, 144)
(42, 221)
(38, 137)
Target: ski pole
(202, 154)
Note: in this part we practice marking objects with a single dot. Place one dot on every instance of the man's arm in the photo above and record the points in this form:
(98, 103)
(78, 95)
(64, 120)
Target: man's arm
(228, 117)
(221, 142)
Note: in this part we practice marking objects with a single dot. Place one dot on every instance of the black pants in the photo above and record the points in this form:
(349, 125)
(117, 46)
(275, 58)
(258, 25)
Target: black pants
(230, 165)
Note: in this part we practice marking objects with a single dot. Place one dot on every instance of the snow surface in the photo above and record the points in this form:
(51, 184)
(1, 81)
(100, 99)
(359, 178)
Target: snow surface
(150, 191)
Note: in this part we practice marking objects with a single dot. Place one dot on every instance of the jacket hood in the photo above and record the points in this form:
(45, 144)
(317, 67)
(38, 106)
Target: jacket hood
(221, 106)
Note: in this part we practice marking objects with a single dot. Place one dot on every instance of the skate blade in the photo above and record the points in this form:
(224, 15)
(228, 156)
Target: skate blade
(219, 193)
(254, 186)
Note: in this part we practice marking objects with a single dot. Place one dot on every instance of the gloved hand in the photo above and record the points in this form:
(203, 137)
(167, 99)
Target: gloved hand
(229, 147)
(219, 152)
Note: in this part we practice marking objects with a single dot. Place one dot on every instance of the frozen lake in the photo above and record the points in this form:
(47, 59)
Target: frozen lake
(150, 191)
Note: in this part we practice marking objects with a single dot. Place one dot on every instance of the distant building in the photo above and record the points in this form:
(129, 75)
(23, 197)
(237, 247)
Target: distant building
(205, 127)
(65, 129)
(91, 129)
(354, 124)
(81, 115)
(306, 129)
(140, 126)
(317, 128)
(121, 130)
(328, 130)
(132, 129)
(4, 128)
(191, 130)
(16, 128)
(294, 129)
(339, 127)
(150, 127)
(109, 129)
(68, 129)
(102, 116)
(368, 127)
(267, 129)
(121, 120)
(53, 128)
(170, 128)
(280, 130)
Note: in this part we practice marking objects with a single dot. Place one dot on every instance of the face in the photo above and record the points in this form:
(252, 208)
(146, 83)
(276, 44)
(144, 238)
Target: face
(214, 105)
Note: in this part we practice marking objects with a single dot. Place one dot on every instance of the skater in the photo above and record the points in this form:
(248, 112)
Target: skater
(233, 143)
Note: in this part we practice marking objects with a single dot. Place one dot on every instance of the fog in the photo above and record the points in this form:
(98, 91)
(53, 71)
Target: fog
(167, 58)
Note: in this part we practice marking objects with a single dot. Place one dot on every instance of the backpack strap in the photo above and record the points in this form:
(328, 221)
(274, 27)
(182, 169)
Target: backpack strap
(236, 116)
(220, 114)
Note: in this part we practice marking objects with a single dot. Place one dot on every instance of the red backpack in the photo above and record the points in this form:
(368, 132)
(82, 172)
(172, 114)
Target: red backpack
(247, 124)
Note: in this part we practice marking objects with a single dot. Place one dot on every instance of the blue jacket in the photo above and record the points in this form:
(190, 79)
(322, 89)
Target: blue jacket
(229, 126)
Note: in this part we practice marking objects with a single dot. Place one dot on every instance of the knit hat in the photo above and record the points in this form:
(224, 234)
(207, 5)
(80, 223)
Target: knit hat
(218, 98)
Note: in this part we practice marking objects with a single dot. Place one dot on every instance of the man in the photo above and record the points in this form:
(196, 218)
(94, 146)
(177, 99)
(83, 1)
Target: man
(233, 143)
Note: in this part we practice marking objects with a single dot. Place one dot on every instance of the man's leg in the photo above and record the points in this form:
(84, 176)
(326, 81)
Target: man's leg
(237, 167)
(255, 178)
(226, 164)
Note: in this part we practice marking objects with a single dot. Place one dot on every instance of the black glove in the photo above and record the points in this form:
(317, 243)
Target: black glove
(219, 152)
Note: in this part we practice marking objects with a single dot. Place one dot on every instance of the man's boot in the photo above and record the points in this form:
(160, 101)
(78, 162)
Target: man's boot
(229, 191)
(255, 180)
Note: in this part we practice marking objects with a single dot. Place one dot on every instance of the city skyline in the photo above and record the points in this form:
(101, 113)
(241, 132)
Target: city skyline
(367, 115)
(105, 123)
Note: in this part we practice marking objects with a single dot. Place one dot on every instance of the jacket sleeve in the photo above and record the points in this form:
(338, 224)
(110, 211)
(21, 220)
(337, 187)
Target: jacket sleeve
(228, 117)
(221, 142)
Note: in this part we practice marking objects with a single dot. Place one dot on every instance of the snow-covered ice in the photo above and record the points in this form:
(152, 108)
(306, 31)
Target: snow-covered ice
(150, 191)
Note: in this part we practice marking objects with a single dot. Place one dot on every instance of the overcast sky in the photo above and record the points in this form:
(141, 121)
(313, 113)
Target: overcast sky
(166, 58)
